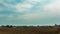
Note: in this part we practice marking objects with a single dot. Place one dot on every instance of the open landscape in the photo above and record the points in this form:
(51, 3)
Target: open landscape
(29, 16)
(30, 30)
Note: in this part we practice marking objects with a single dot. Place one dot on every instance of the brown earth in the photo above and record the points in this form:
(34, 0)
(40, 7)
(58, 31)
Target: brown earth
(33, 30)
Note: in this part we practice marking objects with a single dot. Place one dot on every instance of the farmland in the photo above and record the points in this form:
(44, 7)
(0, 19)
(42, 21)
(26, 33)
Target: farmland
(30, 30)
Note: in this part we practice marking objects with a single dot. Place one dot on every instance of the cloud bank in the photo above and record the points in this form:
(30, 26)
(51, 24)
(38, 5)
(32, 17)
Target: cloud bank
(30, 12)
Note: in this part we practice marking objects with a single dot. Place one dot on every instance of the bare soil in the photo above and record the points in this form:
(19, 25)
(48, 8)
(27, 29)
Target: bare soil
(33, 30)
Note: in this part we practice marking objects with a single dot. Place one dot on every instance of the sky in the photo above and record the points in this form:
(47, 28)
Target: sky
(29, 12)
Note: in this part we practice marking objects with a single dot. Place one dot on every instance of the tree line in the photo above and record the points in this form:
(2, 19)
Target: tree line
(29, 26)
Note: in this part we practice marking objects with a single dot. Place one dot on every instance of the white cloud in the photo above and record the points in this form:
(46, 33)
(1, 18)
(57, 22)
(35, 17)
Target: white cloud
(34, 1)
(51, 10)
(23, 7)
(5, 6)
(27, 5)
(10, 17)
(31, 16)
(55, 6)
(34, 16)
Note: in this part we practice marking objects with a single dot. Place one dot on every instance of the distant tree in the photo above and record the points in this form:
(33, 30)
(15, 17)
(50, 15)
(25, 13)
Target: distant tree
(24, 26)
(10, 26)
(7, 25)
(2, 26)
(50, 26)
(55, 24)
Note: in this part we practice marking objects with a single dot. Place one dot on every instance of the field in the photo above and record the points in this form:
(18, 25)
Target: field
(30, 30)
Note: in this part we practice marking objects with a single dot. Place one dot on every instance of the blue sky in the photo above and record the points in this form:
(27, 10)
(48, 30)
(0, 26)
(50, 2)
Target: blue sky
(29, 12)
